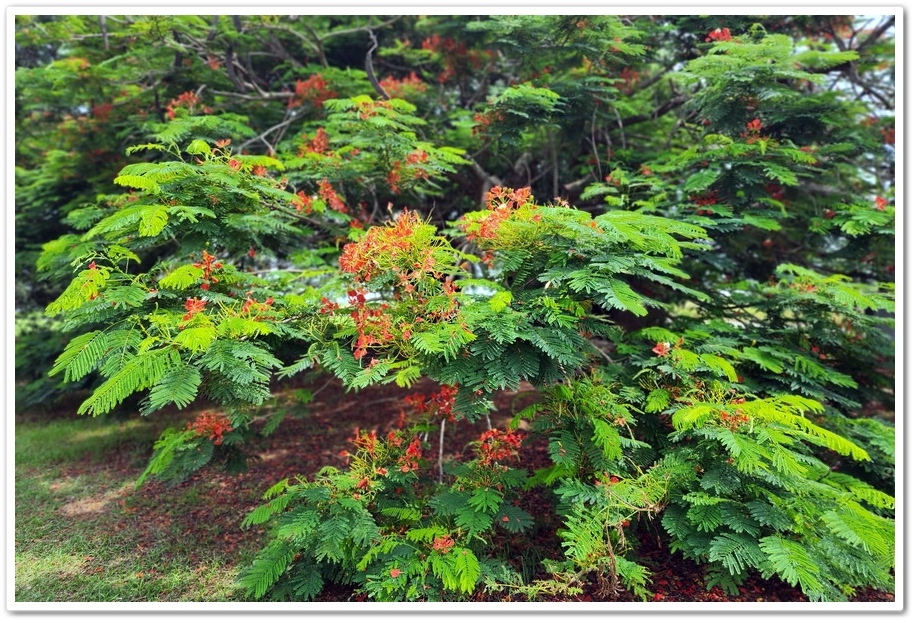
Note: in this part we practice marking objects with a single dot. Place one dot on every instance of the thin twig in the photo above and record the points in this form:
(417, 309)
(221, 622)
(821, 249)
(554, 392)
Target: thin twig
(441, 450)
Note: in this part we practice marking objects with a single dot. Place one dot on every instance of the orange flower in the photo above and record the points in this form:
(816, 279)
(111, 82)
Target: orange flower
(719, 34)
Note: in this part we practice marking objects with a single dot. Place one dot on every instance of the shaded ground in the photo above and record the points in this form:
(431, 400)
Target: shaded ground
(210, 506)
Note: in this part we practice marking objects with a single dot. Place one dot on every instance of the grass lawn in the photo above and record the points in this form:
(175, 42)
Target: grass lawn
(84, 533)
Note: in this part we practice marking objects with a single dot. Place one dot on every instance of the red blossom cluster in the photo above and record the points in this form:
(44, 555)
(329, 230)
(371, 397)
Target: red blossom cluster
(410, 169)
(435, 406)
(706, 199)
(403, 88)
(629, 77)
(369, 109)
(752, 132)
(211, 425)
(373, 324)
(485, 119)
(501, 202)
(719, 34)
(255, 308)
(365, 441)
(188, 100)
(193, 306)
(410, 459)
(318, 145)
(880, 204)
(392, 241)
(305, 203)
(889, 135)
(401, 251)
(495, 445)
(803, 286)
(456, 59)
(314, 90)
(662, 348)
(331, 198)
(208, 264)
(733, 420)
(443, 544)
(102, 111)
(775, 191)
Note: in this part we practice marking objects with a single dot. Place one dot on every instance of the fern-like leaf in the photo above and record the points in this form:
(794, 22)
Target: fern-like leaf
(266, 569)
(792, 563)
(177, 386)
(81, 356)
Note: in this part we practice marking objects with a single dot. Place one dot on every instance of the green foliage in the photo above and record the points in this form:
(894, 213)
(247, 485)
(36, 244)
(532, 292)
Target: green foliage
(384, 525)
(679, 229)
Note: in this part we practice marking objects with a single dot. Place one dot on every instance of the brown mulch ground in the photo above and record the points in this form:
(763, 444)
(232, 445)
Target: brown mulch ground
(317, 435)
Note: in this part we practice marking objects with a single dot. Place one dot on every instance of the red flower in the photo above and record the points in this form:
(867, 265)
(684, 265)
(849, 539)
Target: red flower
(211, 425)
(880, 203)
(661, 349)
(719, 34)
(496, 445)
(193, 306)
(754, 126)
(395, 573)
(443, 544)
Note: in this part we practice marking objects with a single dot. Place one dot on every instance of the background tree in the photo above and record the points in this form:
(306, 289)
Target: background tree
(680, 228)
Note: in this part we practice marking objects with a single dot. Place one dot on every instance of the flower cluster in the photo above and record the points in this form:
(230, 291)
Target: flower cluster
(317, 145)
(629, 77)
(409, 461)
(208, 264)
(187, 100)
(306, 203)
(443, 544)
(373, 324)
(330, 196)
(752, 131)
(388, 247)
(253, 307)
(434, 406)
(776, 191)
(410, 169)
(733, 420)
(706, 199)
(404, 88)
(369, 109)
(193, 306)
(366, 442)
(495, 445)
(502, 202)
(719, 34)
(455, 57)
(211, 425)
(485, 119)
(313, 90)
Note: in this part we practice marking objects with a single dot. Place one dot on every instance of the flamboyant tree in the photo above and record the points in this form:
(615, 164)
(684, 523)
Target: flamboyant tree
(680, 229)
